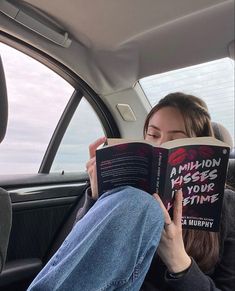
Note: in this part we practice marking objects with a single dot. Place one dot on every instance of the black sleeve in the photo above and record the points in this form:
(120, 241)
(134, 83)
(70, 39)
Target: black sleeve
(223, 278)
(194, 279)
(89, 202)
(224, 275)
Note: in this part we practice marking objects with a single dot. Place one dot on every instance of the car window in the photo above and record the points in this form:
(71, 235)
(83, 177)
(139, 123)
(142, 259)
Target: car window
(37, 97)
(213, 82)
(83, 129)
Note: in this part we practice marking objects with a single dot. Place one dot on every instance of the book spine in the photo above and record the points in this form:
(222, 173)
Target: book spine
(159, 170)
(163, 174)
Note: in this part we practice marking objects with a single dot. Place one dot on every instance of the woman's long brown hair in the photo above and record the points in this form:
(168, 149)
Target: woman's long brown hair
(202, 246)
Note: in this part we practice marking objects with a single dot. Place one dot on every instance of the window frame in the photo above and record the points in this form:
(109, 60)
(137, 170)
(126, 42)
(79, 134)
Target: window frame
(81, 89)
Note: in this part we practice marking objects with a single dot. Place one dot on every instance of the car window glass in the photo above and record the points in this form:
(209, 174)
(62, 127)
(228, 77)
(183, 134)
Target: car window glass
(83, 129)
(37, 97)
(213, 82)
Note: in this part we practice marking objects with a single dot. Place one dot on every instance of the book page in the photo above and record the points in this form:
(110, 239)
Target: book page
(205, 140)
(114, 141)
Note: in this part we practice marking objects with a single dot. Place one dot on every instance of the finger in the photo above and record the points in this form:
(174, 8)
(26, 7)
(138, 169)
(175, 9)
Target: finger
(94, 145)
(91, 168)
(167, 217)
(177, 211)
(90, 163)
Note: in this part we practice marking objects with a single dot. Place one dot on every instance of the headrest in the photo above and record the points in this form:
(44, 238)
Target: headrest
(231, 49)
(222, 133)
(3, 103)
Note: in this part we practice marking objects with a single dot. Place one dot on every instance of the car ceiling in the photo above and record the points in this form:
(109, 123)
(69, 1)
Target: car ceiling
(109, 24)
(117, 42)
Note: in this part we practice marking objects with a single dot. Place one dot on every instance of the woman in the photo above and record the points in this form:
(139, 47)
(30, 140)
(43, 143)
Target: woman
(212, 253)
(114, 244)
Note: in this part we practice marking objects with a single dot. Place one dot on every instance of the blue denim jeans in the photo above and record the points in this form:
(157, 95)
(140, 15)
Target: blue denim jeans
(110, 248)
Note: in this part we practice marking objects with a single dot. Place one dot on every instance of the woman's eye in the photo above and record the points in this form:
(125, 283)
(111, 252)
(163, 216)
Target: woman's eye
(178, 136)
(152, 135)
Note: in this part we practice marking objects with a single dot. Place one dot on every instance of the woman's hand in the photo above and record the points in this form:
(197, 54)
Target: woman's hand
(171, 247)
(91, 166)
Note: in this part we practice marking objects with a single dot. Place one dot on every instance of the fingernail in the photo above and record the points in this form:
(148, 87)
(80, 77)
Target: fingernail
(179, 192)
(155, 195)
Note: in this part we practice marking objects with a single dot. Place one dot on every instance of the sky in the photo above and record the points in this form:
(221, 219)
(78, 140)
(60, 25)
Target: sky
(37, 97)
(210, 81)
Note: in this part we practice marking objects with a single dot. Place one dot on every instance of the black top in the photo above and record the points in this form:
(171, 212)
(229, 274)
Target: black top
(222, 277)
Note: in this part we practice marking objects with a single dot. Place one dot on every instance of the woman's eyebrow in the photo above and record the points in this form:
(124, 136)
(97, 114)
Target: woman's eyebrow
(153, 126)
(170, 131)
(177, 131)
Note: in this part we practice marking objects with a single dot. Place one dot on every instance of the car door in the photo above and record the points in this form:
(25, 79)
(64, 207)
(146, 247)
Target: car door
(52, 119)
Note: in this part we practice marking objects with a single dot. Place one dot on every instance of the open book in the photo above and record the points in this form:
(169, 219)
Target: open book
(196, 165)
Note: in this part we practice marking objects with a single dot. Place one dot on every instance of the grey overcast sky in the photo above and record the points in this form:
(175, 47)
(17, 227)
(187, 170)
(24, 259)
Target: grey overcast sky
(37, 98)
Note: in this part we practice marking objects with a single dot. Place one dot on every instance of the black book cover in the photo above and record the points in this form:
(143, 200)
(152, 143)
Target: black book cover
(198, 169)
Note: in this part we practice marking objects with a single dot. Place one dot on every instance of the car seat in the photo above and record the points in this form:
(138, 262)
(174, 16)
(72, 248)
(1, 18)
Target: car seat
(223, 134)
(5, 202)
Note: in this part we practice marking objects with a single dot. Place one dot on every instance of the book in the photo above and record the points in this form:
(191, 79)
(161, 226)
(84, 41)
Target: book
(198, 166)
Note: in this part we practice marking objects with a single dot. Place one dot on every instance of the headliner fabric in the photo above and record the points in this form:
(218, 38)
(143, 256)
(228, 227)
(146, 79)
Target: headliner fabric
(107, 24)
(5, 224)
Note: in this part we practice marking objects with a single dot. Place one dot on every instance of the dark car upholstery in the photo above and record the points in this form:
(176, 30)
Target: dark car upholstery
(5, 203)
(222, 134)
(3, 103)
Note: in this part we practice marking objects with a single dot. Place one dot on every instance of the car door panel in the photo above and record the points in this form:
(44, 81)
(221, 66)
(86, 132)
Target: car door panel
(41, 209)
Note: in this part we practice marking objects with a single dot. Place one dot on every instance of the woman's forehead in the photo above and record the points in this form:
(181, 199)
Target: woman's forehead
(167, 117)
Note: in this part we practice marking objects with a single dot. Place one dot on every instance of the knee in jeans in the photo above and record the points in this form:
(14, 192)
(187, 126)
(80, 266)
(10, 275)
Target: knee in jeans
(133, 199)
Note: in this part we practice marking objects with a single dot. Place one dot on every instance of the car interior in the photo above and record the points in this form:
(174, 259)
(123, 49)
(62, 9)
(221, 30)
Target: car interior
(102, 49)
(5, 202)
